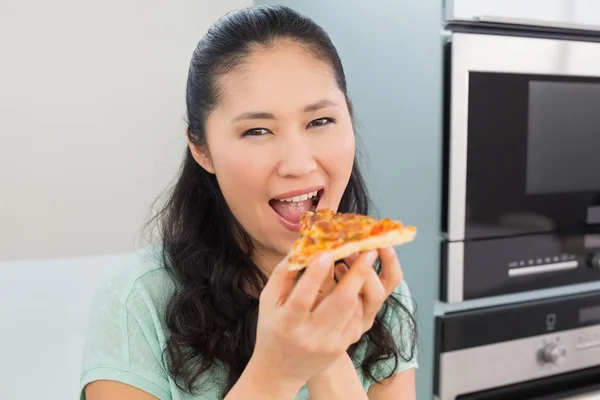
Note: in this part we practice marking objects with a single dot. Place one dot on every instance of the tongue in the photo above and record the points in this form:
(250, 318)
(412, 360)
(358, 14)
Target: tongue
(291, 211)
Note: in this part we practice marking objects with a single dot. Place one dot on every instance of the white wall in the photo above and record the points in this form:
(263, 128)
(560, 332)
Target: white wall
(91, 130)
(91, 117)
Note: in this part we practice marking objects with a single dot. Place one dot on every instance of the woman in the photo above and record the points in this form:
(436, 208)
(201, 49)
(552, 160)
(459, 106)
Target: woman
(217, 314)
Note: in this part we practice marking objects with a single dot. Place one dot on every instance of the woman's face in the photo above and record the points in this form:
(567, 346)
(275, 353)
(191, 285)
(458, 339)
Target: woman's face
(280, 143)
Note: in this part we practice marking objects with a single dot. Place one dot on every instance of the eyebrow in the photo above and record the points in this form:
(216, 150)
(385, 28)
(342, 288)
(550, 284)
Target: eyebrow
(319, 105)
(254, 115)
(265, 115)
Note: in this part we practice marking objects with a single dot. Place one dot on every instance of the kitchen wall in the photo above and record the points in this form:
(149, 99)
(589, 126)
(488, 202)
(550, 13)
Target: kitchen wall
(91, 130)
(92, 100)
(391, 52)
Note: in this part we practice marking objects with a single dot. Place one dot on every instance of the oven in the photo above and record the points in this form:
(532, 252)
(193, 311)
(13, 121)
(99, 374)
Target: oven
(522, 159)
(540, 350)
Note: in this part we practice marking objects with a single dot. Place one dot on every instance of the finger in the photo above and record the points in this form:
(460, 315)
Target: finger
(329, 283)
(304, 294)
(338, 308)
(354, 329)
(340, 271)
(353, 279)
(391, 272)
(351, 258)
(326, 288)
(374, 295)
(279, 285)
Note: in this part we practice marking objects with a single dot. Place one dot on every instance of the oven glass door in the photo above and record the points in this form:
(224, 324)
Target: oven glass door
(533, 153)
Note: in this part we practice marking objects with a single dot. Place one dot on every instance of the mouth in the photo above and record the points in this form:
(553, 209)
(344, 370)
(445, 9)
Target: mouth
(290, 208)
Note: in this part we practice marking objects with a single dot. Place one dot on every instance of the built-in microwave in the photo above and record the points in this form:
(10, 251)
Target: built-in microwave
(522, 161)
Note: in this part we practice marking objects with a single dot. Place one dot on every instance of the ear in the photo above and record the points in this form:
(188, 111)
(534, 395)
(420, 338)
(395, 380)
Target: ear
(202, 157)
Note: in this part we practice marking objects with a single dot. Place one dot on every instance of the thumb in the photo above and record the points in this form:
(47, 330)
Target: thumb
(280, 283)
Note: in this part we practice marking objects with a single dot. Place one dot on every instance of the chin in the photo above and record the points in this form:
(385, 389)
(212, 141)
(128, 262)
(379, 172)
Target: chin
(276, 250)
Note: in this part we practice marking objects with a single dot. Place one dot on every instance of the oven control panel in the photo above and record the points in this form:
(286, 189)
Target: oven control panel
(498, 266)
(520, 362)
(528, 342)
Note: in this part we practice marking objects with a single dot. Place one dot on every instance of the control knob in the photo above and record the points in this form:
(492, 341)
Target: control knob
(594, 260)
(552, 353)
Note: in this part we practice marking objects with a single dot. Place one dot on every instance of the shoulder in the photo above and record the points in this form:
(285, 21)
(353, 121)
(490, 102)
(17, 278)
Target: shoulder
(135, 297)
(401, 322)
(400, 307)
(142, 281)
(403, 294)
(127, 332)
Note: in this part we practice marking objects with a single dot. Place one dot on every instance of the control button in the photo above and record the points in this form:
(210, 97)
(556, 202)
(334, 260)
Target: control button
(594, 260)
(552, 353)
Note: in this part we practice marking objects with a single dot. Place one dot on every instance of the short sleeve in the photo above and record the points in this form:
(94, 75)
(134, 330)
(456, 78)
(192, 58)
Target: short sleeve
(401, 323)
(122, 343)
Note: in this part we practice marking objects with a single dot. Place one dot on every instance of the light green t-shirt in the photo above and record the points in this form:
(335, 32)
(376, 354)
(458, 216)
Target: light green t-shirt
(127, 334)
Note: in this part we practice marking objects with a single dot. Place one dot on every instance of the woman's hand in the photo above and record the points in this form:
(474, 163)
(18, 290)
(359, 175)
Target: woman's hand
(296, 340)
(377, 288)
(340, 380)
(391, 271)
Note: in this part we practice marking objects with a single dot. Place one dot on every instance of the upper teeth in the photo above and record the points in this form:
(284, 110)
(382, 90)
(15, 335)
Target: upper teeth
(302, 197)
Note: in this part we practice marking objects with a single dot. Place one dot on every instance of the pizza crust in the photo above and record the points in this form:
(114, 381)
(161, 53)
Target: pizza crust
(393, 238)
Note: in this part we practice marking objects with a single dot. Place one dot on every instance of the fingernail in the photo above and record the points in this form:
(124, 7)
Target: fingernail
(370, 257)
(324, 260)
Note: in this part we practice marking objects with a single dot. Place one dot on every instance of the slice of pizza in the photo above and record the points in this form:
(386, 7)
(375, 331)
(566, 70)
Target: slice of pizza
(344, 234)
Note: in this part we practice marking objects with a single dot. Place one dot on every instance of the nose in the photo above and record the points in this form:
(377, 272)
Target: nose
(297, 158)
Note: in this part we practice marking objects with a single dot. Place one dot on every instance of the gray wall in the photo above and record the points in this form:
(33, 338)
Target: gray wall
(391, 51)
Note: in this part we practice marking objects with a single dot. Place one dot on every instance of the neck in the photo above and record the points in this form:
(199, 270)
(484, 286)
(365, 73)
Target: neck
(266, 260)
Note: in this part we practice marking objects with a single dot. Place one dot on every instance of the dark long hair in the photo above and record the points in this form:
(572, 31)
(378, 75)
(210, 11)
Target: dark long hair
(211, 317)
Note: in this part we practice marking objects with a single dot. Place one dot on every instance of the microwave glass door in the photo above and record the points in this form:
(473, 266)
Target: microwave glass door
(533, 153)
(523, 136)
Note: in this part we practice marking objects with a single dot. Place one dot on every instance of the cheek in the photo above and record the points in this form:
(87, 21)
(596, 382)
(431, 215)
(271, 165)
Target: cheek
(348, 148)
(340, 158)
(238, 174)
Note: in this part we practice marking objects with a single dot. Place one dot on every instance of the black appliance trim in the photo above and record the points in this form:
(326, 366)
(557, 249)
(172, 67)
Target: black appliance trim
(550, 388)
(497, 324)
(444, 275)
(437, 351)
(446, 115)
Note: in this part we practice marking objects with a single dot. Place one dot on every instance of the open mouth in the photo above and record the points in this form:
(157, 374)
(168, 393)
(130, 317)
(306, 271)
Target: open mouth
(289, 210)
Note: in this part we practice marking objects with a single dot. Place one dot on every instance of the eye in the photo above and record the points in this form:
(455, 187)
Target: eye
(256, 132)
(320, 122)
